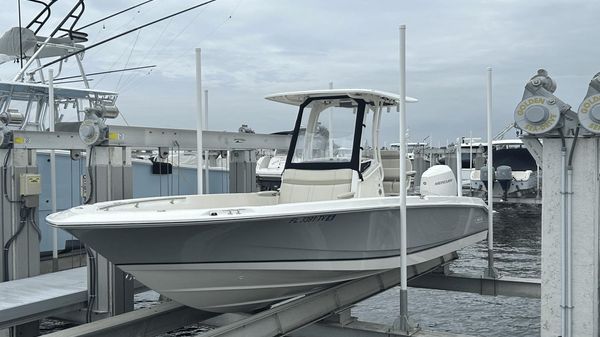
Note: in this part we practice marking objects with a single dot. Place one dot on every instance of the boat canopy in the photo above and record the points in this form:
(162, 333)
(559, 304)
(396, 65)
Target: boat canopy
(368, 95)
(15, 39)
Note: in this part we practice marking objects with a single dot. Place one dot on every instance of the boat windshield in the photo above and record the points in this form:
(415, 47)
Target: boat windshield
(330, 128)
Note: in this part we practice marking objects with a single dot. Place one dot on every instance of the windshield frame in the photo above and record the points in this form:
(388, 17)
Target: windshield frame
(354, 162)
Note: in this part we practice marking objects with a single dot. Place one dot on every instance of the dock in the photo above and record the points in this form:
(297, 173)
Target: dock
(34, 298)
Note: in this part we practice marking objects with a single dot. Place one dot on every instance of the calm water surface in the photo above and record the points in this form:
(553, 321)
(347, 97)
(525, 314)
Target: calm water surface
(517, 253)
(517, 233)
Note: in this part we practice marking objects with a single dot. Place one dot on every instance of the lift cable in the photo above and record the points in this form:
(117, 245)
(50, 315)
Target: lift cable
(172, 60)
(103, 72)
(128, 58)
(131, 77)
(111, 16)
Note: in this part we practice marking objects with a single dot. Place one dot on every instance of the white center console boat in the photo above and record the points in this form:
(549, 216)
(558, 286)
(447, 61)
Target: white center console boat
(330, 221)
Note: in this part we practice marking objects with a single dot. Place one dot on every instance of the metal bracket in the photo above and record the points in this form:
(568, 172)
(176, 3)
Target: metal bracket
(535, 148)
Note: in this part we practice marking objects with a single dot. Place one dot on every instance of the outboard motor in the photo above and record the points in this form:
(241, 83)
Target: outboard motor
(483, 176)
(438, 180)
(504, 177)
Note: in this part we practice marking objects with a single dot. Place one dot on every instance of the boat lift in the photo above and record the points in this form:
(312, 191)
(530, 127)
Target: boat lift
(303, 311)
(117, 295)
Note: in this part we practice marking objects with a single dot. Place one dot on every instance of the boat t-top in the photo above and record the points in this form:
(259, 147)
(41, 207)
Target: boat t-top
(329, 222)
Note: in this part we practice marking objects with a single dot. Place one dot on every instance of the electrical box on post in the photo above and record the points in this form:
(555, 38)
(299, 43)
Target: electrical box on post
(30, 184)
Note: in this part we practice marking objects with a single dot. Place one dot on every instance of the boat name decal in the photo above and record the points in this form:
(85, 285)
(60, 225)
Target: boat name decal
(316, 218)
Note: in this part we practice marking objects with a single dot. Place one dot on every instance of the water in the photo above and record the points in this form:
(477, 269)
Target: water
(517, 242)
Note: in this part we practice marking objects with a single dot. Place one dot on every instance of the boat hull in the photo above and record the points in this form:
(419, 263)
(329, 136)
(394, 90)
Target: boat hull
(310, 237)
(240, 260)
(243, 287)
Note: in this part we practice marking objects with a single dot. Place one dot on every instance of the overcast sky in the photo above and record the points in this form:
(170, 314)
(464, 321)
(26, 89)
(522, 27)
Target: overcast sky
(252, 48)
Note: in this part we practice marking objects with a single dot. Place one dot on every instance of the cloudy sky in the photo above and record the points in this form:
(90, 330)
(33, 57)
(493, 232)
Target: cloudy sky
(252, 48)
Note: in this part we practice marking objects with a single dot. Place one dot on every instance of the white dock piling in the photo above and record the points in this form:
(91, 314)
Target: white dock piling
(403, 324)
(490, 272)
(584, 303)
(206, 153)
(51, 116)
(199, 121)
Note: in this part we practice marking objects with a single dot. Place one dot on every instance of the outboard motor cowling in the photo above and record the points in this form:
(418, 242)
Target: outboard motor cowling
(504, 177)
(483, 176)
(438, 180)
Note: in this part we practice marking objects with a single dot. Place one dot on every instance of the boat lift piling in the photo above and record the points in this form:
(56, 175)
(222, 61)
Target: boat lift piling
(403, 324)
(199, 119)
(458, 151)
(21, 258)
(206, 152)
(111, 178)
(491, 272)
(571, 190)
(52, 117)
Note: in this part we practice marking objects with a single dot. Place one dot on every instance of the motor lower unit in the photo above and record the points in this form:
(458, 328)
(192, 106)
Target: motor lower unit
(483, 176)
(504, 177)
